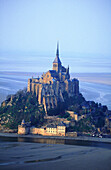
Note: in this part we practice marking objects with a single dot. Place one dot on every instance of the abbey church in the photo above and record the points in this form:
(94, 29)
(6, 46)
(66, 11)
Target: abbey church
(50, 87)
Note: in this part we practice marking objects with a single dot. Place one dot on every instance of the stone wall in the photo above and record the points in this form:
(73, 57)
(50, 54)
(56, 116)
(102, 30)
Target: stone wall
(23, 130)
(59, 131)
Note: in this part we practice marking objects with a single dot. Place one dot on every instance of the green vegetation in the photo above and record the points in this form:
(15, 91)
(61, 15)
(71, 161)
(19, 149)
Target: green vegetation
(23, 105)
(83, 125)
(94, 116)
(94, 113)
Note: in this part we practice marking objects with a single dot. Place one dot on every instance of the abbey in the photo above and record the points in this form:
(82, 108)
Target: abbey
(50, 87)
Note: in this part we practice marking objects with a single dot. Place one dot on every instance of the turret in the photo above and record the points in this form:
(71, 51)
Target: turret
(67, 73)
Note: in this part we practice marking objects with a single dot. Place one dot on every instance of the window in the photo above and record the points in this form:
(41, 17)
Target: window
(55, 65)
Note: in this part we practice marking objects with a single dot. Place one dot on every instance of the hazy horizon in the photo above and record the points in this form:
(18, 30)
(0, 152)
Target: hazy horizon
(43, 62)
(30, 30)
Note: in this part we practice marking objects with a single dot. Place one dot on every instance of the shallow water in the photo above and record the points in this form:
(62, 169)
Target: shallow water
(56, 141)
(100, 93)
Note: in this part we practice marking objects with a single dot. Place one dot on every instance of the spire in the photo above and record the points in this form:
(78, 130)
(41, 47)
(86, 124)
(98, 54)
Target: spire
(68, 67)
(57, 53)
(67, 70)
(57, 59)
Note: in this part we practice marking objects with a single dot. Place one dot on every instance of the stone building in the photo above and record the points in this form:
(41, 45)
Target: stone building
(24, 128)
(50, 130)
(50, 87)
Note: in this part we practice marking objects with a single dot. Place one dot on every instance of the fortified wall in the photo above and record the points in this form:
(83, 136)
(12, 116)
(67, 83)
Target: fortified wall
(49, 130)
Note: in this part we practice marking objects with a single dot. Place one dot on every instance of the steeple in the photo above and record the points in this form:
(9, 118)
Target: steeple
(67, 73)
(57, 59)
(57, 63)
(57, 52)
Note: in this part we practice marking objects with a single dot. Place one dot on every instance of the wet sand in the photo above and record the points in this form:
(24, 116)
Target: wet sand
(25, 156)
(101, 78)
(22, 138)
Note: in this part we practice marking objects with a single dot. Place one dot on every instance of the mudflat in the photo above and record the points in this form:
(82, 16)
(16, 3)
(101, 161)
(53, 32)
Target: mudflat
(25, 156)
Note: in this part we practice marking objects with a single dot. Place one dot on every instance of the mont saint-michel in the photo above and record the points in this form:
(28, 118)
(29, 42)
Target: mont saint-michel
(53, 105)
(50, 87)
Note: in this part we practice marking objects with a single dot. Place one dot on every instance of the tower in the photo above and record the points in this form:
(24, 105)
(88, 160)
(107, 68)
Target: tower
(67, 73)
(57, 62)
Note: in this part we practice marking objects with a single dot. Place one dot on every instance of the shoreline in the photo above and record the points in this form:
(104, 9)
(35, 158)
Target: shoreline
(19, 152)
(40, 156)
(79, 138)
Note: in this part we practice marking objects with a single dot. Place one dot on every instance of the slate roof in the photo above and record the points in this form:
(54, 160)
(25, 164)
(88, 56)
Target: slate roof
(53, 73)
(63, 69)
(75, 80)
(61, 124)
(57, 60)
(51, 126)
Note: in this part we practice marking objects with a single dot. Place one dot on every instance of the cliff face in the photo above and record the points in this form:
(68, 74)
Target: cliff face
(50, 87)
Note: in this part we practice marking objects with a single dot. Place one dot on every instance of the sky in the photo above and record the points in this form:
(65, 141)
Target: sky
(33, 27)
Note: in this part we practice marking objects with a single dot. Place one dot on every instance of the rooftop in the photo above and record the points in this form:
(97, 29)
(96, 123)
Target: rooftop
(57, 60)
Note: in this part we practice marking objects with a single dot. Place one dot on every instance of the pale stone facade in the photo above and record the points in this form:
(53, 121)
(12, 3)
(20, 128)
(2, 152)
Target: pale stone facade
(50, 130)
(50, 87)
(24, 128)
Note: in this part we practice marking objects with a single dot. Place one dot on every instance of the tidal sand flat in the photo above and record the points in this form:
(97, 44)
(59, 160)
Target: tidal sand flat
(22, 155)
(101, 78)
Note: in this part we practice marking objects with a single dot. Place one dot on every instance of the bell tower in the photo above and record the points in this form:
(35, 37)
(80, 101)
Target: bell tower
(57, 62)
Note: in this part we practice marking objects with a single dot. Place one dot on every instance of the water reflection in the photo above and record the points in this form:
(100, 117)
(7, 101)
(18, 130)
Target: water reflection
(55, 141)
(41, 140)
